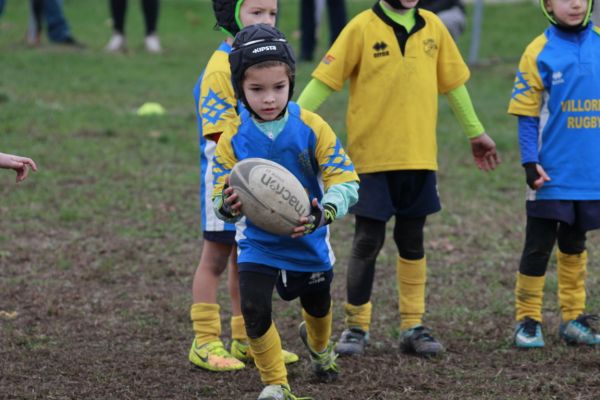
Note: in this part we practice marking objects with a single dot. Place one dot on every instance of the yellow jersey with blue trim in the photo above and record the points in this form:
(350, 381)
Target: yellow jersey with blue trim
(307, 147)
(216, 103)
(395, 79)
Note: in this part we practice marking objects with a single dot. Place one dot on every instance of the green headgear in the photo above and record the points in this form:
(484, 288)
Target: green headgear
(228, 15)
(553, 21)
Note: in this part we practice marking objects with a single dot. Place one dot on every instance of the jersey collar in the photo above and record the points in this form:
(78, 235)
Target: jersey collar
(401, 34)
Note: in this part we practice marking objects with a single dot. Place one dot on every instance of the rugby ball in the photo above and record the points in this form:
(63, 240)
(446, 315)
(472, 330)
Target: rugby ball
(272, 197)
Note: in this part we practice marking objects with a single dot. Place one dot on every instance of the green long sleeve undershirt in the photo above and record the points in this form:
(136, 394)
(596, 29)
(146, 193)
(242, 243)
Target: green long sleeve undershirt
(316, 92)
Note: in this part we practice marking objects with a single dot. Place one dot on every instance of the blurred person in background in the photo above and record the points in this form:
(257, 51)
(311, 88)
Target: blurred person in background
(451, 12)
(57, 27)
(118, 9)
(595, 15)
(310, 16)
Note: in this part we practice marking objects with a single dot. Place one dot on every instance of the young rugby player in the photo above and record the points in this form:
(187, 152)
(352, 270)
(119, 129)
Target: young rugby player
(299, 265)
(398, 59)
(556, 98)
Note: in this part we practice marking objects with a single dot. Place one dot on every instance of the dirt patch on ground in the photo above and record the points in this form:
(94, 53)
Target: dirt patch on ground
(95, 316)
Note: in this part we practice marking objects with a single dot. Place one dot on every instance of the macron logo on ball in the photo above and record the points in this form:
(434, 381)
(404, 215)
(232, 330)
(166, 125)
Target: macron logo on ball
(264, 48)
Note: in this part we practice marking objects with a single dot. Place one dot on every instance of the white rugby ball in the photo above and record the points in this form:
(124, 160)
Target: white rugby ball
(272, 197)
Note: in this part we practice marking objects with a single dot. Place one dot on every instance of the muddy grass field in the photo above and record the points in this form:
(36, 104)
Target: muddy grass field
(98, 248)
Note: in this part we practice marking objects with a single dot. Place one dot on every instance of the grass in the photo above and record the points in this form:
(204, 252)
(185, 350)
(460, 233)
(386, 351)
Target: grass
(98, 248)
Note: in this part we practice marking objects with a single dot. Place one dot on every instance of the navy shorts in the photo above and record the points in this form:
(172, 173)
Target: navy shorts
(407, 193)
(582, 214)
(223, 237)
(292, 284)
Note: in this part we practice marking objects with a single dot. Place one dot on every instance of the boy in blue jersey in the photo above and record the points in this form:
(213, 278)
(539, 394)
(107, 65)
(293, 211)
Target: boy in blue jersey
(215, 108)
(299, 265)
(555, 97)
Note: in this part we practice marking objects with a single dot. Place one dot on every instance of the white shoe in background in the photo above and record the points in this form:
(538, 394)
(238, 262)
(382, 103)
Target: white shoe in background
(153, 44)
(116, 43)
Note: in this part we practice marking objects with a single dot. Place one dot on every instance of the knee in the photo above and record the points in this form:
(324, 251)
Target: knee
(410, 247)
(257, 318)
(367, 247)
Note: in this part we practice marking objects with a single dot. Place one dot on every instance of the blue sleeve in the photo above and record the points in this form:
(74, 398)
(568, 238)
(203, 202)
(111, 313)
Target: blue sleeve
(342, 196)
(528, 138)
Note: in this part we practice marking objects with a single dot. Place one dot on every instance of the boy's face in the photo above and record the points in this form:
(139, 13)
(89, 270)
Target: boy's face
(407, 4)
(267, 90)
(258, 12)
(567, 12)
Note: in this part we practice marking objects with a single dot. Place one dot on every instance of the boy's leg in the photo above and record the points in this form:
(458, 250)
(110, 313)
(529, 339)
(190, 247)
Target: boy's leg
(571, 260)
(369, 235)
(411, 276)
(571, 266)
(540, 235)
(207, 350)
(240, 347)
(411, 270)
(256, 290)
(315, 331)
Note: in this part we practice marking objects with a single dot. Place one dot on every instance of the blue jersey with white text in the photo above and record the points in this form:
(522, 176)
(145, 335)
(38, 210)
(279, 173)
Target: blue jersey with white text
(309, 149)
(558, 82)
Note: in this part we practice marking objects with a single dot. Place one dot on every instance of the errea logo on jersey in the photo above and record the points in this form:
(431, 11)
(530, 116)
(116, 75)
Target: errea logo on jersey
(557, 78)
(380, 49)
(263, 48)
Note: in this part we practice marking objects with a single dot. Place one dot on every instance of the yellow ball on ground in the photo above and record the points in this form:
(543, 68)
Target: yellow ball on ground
(151, 109)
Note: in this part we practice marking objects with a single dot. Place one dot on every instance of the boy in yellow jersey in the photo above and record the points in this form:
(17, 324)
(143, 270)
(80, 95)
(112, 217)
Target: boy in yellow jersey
(215, 109)
(398, 59)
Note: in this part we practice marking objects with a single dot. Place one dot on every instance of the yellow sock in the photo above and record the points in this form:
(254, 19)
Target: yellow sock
(238, 329)
(571, 271)
(206, 322)
(411, 276)
(269, 358)
(318, 330)
(529, 293)
(358, 316)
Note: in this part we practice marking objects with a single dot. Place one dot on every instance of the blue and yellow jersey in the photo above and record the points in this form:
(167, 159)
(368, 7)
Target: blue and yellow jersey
(215, 108)
(558, 82)
(395, 78)
(308, 147)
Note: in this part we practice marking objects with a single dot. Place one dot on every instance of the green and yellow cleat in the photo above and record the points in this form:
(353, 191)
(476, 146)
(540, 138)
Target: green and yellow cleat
(214, 357)
(241, 351)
